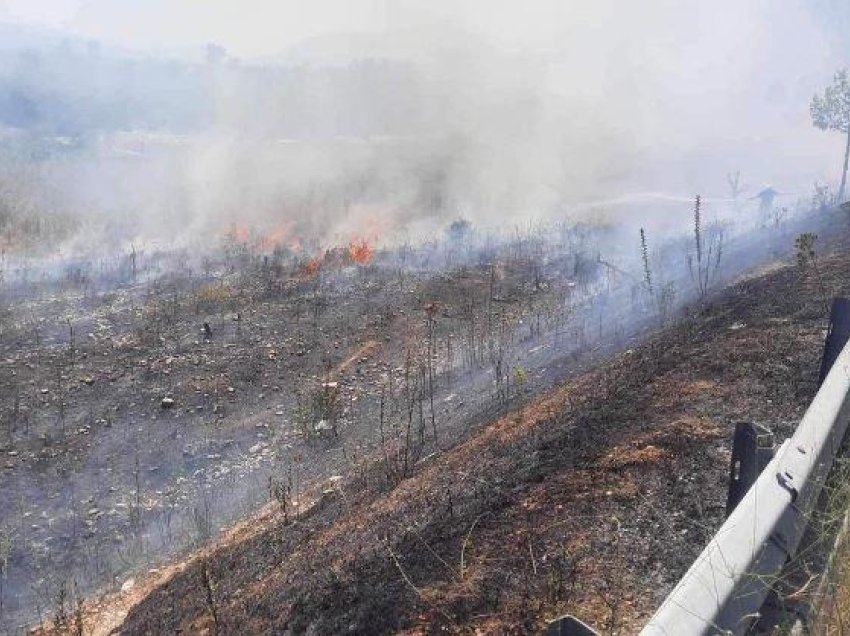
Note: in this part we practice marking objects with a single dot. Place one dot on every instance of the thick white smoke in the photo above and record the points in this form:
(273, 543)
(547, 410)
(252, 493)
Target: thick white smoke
(414, 114)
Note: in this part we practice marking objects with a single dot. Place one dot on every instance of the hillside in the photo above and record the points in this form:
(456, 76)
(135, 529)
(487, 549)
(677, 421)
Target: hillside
(592, 498)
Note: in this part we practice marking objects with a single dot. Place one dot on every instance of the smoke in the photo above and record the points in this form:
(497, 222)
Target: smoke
(415, 115)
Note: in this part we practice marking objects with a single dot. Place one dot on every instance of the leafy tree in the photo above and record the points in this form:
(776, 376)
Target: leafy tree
(831, 111)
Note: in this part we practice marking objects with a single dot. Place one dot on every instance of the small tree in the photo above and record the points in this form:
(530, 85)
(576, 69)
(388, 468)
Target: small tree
(831, 111)
(459, 230)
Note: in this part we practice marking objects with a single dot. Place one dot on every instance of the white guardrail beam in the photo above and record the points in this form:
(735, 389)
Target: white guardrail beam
(724, 589)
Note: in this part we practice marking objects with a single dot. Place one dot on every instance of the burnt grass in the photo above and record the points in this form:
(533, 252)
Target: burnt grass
(592, 498)
(100, 480)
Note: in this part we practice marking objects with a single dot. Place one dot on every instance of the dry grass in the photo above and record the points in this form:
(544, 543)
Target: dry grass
(835, 617)
(832, 593)
(591, 499)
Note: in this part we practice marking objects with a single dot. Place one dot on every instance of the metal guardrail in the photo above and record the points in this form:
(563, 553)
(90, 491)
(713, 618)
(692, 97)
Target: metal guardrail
(723, 591)
(769, 509)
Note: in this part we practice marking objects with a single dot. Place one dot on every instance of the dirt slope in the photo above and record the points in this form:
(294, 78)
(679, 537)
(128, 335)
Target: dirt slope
(590, 499)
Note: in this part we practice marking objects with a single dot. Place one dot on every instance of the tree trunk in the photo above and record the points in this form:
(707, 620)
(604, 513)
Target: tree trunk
(844, 174)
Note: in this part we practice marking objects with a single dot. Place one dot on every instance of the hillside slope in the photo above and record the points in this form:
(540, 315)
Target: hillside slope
(592, 498)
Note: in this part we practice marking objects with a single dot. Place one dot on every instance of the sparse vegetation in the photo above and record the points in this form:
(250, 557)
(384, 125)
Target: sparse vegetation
(5, 553)
(490, 549)
(704, 261)
(831, 111)
(808, 266)
(662, 297)
(354, 338)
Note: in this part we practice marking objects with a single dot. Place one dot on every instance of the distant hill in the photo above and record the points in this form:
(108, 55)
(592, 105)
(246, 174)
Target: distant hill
(56, 85)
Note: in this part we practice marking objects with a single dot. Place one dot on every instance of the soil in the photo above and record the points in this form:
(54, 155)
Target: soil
(591, 498)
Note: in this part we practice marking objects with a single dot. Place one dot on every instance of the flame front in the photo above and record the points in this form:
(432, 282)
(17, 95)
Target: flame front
(361, 252)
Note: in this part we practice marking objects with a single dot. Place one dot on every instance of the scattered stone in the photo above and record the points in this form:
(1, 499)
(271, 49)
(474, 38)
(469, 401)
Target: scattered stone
(167, 402)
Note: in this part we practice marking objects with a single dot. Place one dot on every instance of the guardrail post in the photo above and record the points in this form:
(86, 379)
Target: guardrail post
(837, 335)
(724, 590)
(569, 626)
(752, 450)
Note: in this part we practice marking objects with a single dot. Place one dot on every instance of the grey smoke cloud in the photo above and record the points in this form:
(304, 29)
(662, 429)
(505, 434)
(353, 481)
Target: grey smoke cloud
(390, 118)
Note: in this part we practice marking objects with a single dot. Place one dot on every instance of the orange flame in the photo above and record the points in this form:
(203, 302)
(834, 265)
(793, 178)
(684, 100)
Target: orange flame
(239, 233)
(278, 236)
(361, 252)
(273, 239)
(311, 267)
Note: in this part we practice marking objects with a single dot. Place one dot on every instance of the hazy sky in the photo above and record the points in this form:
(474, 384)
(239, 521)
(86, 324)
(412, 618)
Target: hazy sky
(265, 27)
(549, 99)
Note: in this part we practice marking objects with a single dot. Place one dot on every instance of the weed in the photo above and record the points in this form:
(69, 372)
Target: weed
(808, 265)
(281, 491)
(662, 297)
(209, 595)
(708, 251)
(644, 254)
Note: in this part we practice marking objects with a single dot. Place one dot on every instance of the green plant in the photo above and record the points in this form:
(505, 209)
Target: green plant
(520, 378)
(807, 263)
(805, 248)
(281, 491)
(318, 411)
(60, 618)
(831, 111)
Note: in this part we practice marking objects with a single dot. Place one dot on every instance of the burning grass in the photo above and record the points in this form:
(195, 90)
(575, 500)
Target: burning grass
(360, 252)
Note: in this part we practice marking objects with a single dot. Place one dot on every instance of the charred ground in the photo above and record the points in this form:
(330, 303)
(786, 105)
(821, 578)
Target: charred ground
(129, 434)
(591, 498)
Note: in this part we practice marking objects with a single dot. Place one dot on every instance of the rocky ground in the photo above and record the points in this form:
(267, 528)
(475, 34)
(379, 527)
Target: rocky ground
(591, 497)
(128, 433)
